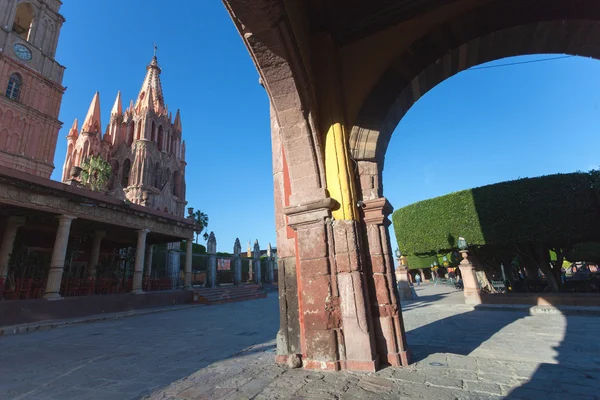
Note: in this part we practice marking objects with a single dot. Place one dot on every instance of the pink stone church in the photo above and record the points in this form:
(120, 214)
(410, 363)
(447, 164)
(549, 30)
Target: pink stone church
(60, 240)
(142, 145)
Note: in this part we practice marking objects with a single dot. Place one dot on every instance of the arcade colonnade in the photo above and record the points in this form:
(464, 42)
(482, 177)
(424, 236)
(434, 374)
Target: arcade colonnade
(340, 76)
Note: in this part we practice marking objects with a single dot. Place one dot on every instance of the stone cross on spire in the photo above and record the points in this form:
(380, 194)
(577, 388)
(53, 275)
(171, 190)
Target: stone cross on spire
(155, 49)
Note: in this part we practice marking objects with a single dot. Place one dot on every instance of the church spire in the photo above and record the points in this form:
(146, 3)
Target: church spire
(92, 120)
(74, 132)
(177, 123)
(152, 81)
(148, 101)
(117, 107)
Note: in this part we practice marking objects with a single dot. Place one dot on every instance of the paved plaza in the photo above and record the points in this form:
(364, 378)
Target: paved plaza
(227, 351)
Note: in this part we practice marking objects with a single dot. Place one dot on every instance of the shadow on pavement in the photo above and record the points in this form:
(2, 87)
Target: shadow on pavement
(576, 374)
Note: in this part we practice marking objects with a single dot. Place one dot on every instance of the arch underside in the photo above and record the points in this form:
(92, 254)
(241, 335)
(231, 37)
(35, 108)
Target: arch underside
(442, 54)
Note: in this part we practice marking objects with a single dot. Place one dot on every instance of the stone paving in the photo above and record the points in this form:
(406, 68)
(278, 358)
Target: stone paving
(227, 352)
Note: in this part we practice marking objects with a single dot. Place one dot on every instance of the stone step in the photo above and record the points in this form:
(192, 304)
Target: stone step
(221, 295)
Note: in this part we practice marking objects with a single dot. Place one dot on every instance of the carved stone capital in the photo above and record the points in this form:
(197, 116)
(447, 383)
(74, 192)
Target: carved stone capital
(376, 212)
(309, 213)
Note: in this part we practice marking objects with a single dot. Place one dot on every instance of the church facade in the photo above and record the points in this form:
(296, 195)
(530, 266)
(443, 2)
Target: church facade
(143, 145)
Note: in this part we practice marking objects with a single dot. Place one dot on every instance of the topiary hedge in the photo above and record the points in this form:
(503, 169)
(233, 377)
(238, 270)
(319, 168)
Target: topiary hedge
(553, 209)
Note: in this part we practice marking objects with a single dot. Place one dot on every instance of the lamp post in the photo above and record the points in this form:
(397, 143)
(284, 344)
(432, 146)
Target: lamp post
(467, 270)
(402, 277)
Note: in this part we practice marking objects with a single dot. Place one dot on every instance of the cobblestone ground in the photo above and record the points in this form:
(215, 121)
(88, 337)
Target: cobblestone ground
(226, 352)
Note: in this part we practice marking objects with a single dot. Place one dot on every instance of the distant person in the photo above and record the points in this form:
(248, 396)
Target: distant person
(418, 279)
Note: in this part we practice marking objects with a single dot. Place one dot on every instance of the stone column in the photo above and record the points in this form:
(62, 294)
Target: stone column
(212, 261)
(189, 246)
(471, 287)
(8, 241)
(95, 253)
(57, 263)
(385, 305)
(138, 271)
(148, 260)
(256, 264)
(237, 262)
(336, 330)
(270, 270)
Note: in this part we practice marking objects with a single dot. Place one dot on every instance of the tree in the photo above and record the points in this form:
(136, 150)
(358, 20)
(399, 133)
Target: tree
(201, 223)
(95, 173)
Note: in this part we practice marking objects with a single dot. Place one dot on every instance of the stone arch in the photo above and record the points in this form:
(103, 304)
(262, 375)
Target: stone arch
(139, 130)
(23, 20)
(114, 173)
(415, 71)
(4, 139)
(86, 148)
(125, 173)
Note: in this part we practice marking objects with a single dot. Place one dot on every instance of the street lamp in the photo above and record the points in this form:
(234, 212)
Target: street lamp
(398, 253)
(462, 244)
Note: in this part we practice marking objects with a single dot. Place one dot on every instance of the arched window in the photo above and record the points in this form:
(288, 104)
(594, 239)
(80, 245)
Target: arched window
(23, 20)
(86, 147)
(160, 138)
(130, 133)
(153, 137)
(126, 170)
(139, 131)
(14, 86)
(176, 183)
(114, 169)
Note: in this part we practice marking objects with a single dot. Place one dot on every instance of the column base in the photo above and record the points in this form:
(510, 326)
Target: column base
(137, 291)
(472, 298)
(401, 359)
(53, 296)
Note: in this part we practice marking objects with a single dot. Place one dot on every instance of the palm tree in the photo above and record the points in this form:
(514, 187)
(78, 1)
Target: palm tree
(201, 222)
(95, 173)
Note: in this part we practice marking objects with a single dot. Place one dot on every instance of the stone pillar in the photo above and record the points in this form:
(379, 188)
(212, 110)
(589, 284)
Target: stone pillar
(95, 253)
(256, 264)
(212, 261)
(8, 241)
(270, 269)
(336, 330)
(57, 263)
(403, 280)
(385, 305)
(471, 287)
(138, 271)
(237, 262)
(148, 260)
(189, 246)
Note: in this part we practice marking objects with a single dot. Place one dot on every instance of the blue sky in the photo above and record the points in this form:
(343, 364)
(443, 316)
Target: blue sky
(476, 128)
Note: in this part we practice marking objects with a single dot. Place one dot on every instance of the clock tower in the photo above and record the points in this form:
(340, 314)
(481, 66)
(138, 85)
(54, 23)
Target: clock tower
(30, 84)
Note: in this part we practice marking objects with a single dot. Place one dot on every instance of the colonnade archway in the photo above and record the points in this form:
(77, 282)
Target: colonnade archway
(340, 77)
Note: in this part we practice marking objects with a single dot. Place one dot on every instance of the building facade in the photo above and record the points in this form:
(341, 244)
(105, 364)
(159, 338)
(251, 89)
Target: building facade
(32, 82)
(142, 144)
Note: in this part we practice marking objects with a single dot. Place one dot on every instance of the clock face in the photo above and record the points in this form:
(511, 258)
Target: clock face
(22, 52)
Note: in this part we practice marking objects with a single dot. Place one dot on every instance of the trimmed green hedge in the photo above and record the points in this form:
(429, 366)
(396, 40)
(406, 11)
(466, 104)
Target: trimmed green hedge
(554, 209)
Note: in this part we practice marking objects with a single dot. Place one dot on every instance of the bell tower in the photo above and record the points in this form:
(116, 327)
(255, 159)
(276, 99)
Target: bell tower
(30, 84)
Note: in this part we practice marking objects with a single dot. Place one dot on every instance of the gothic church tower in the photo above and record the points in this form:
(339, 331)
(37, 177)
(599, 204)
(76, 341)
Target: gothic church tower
(142, 144)
(30, 84)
